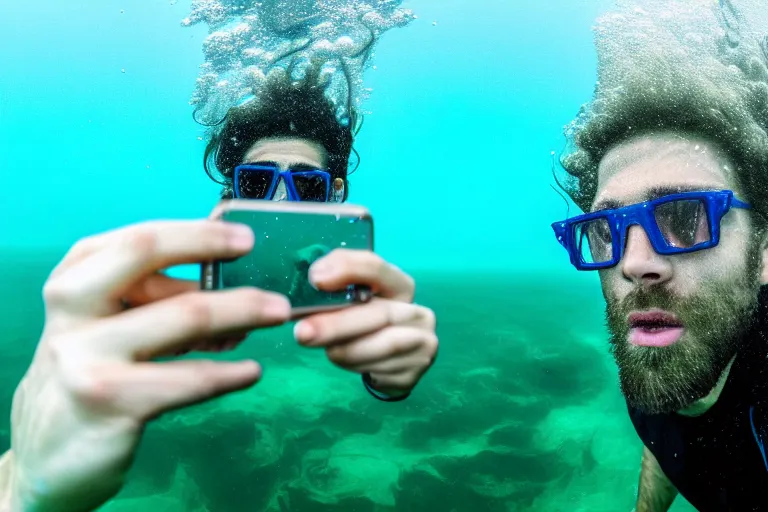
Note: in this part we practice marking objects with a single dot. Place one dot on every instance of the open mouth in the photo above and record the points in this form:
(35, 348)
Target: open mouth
(655, 329)
(654, 320)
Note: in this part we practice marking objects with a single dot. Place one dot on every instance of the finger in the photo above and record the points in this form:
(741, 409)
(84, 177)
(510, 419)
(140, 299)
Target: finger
(97, 281)
(344, 267)
(158, 287)
(87, 246)
(146, 390)
(325, 329)
(82, 249)
(387, 344)
(180, 322)
(416, 363)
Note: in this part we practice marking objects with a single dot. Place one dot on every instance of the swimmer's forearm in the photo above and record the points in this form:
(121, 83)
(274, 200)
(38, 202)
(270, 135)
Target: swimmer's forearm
(656, 492)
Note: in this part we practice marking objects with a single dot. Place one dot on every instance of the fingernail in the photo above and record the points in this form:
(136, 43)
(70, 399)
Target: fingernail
(320, 271)
(304, 332)
(278, 307)
(241, 237)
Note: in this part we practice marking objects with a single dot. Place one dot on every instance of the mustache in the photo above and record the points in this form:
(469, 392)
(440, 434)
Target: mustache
(645, 298)
(697, 311)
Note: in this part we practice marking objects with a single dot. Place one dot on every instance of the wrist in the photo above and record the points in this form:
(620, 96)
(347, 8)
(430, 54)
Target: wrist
(9, 489)
(18, 494)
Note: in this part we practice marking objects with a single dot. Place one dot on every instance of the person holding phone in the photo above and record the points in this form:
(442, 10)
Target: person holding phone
(288, 144)
(94, 382)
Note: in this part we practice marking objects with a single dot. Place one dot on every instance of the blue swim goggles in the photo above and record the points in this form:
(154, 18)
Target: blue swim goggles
(259, 181)
(675, 224)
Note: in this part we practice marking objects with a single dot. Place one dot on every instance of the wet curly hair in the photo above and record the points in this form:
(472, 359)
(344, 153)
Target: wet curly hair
(284, 107)
(699, 71)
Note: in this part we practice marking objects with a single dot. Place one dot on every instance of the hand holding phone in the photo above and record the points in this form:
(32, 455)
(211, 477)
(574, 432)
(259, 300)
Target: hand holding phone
(290, 237)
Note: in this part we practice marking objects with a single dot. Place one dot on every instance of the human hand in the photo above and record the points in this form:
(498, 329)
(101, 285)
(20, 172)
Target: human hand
(389, 338)
(79, 412)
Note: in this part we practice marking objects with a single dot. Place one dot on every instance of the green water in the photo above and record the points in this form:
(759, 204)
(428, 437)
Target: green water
(521, 412)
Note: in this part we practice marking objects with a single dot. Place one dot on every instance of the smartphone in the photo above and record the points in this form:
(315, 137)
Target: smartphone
(289, 237)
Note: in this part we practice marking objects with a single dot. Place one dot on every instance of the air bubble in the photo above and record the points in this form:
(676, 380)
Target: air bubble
(255, 35)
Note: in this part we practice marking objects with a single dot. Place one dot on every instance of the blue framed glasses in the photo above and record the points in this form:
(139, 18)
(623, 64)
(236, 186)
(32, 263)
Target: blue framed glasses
(259, 181)
(675, 224)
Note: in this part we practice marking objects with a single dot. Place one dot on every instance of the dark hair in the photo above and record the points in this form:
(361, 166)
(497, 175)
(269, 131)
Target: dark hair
(678, 74)
(283, 108)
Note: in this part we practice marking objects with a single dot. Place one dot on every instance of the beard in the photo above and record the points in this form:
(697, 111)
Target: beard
(716, 319)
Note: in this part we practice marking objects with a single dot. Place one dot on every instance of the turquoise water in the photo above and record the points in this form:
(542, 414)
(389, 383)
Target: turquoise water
(522, 410)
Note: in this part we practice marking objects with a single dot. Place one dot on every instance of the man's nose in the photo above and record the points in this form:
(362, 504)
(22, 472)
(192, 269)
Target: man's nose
(641, 264)
(281, 192)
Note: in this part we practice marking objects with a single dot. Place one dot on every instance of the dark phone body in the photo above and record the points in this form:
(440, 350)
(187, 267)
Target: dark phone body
(290, 236)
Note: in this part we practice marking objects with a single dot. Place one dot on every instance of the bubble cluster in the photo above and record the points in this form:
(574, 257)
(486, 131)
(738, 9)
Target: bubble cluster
(690, 65)
(250, 39)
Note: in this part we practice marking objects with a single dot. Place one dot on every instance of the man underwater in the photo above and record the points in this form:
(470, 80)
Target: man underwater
(669, 165)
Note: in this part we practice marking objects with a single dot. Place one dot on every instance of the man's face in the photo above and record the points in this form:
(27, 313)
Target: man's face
(287, 153)
(700, 303)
